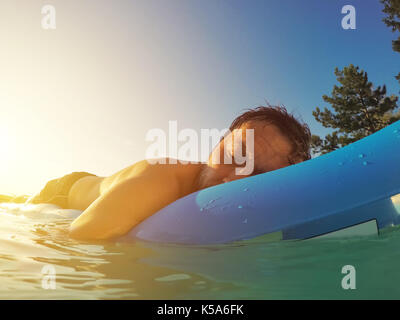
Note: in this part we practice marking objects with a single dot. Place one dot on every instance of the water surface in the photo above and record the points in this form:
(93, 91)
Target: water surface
(35, 237)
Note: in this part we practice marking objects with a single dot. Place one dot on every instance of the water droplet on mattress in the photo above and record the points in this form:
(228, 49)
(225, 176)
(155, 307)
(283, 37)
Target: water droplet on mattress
(240, 207)
(211, 201)
(201, 209)
(340, 163)
(395, 130)
(361, 155)
(365, 163)
(246, 189)
(245, 221)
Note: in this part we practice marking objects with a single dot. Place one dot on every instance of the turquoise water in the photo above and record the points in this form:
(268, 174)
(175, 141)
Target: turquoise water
(34, 237)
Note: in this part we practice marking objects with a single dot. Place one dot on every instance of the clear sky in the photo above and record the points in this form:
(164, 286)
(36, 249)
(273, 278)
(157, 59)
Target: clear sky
(83, 96)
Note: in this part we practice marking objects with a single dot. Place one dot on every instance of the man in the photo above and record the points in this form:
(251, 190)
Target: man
(113, 205)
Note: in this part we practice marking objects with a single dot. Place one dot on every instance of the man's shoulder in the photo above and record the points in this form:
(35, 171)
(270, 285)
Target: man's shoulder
(185, 173)
(161, 169)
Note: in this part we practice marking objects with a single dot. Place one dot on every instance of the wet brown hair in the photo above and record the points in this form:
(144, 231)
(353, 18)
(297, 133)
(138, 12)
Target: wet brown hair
(294, 129)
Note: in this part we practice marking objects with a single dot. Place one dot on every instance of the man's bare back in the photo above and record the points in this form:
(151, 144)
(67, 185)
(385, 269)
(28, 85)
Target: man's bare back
(114, 205)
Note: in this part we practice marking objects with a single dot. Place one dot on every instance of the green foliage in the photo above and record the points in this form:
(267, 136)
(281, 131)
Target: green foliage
(392, 20)
(359, 110)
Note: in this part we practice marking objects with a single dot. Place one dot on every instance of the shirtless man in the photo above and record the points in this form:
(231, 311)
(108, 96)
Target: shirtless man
(114, 205)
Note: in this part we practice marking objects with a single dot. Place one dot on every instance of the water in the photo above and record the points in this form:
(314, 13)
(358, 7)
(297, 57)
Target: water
(34, 237)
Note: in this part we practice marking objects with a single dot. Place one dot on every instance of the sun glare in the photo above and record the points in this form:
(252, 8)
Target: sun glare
(5, 145)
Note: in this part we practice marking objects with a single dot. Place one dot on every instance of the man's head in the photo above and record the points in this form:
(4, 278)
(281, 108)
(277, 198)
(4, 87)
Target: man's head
(278, 140)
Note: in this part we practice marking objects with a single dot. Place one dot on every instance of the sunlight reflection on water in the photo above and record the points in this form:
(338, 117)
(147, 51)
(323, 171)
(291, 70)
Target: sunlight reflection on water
(31, 238)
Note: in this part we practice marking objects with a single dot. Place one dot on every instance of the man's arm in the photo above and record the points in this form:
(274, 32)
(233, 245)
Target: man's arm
(124, 206)
(131, 201)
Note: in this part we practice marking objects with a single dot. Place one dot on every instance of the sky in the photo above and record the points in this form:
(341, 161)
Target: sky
(83, 96)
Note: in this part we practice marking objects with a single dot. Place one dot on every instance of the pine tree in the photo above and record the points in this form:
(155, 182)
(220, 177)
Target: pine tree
(359, 110)
(392, 20)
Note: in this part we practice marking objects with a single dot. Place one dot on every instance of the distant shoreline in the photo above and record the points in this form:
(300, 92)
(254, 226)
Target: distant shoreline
(8, 198)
